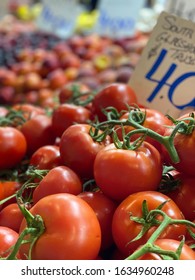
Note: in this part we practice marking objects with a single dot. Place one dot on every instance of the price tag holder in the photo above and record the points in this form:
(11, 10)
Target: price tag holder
(59, 17)
(118, 19)
(164, 78)
(181, 8)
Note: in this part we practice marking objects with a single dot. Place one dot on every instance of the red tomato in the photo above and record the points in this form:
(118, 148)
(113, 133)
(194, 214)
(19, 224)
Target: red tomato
(124, 229)
(46, 157)
(154, 120)
(72, 230)
(8, 238)
(67, 114)
(170, 245)
(13, 147)
(117, 95)
(38, 132)
(119, 172)
(104, 208)
(185, 192)
(60, 179)
(78, 149)
(68, 90)
(11, 216)
(184, 145)
(7, 189)
(28, 110)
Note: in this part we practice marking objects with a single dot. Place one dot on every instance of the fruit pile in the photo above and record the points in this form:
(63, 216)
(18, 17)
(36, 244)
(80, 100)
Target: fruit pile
(86, 172)
(34, 64)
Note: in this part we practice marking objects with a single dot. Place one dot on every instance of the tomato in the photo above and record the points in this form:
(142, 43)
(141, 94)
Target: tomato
(28, 110)
(170, 245)
(67, 114)
(11, 216)
(8, 188)
(120, 172)
(13, 147)
(185, 192)
(184, 145)
(60, 179)
(72, 230)
(8, 238)
(124, 229)
(38, 132)
(46, 157)
(68, 90)
(117, 95)
(104, 208)
(78, 149)
(154, 120)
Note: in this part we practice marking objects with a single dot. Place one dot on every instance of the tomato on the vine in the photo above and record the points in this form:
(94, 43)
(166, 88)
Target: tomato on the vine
(78, 149)
(7, 189)
(38, 132)
(117, 95)
(151, 119)
(13, 147)
(121, 172)
(184, 145)
(72, 230)
(60, 179)
(66, 115)
(170, 245)
(11, 216)
(184, 196)
(125, 229)
(104, 208)
(8, 238)
(46, 157)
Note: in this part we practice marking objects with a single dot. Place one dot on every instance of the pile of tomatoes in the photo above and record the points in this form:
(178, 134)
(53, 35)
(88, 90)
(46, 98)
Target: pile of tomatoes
(97, 176)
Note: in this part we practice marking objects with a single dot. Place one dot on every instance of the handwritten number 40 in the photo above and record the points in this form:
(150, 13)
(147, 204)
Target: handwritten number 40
(163, 81)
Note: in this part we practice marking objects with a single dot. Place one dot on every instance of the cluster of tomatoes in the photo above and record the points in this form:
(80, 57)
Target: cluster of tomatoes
(98, 176)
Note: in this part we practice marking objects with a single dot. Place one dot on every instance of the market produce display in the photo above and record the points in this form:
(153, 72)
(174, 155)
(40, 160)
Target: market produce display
(86, 172)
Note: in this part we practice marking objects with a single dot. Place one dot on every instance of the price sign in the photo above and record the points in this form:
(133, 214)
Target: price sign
(181, 8)
(164, 78)
(118, 18)
(59, 17)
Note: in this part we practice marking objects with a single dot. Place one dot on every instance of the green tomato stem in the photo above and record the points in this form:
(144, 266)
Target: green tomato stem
(149, 245)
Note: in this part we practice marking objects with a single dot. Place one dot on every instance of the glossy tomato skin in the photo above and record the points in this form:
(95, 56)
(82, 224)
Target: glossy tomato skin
(8, 238)
(171, 245)
(78, 149)
(11, 216)
(124, 229)
(60, 179)
(104, 208)
(8, 188)
(184, 145)
(119, 172)
(117, 95)
(13, 147)
(38, 132)
(154, 120)
(46, 157)
(67, 114)
(72, 230)
(184, 196)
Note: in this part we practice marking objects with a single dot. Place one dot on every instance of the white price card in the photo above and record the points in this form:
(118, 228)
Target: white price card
(164, 78)
(181, 8)
(118, 19)
(59, 17)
